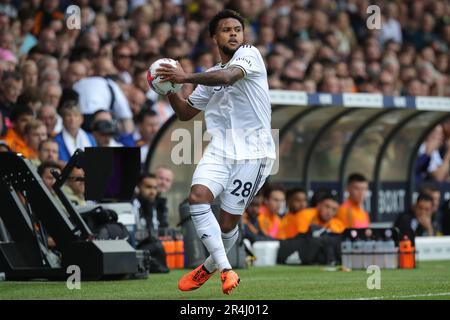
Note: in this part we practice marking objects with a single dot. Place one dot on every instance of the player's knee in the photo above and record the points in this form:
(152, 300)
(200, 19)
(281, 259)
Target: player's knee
(200, 194)
(197, 197)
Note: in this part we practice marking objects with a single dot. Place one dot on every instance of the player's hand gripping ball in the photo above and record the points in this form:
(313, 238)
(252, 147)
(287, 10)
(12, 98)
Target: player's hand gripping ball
(156, 83)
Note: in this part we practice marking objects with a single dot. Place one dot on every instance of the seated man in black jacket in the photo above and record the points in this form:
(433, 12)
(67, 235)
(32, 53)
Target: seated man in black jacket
(150, 218)
(152, 215)
(418, 221)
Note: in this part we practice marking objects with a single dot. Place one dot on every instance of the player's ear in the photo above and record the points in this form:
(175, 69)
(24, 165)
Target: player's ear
(214, 39)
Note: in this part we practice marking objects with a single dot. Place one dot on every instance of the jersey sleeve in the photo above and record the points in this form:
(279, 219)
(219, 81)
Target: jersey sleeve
(199, 98)
(247, 59)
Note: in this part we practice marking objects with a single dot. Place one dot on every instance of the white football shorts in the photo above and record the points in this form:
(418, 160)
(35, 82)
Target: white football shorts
(235, 181)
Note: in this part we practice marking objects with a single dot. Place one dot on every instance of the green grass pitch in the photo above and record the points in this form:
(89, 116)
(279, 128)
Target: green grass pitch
(431, 280)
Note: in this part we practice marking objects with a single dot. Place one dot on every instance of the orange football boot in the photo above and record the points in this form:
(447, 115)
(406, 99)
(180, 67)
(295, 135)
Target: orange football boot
(230, 280)
(194, 279)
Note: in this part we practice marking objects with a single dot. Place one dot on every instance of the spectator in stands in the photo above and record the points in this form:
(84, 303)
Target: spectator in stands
(74, 72)
(432, 190)
(29, 72)
(297, 200)
(35, 133)
(48, 151)
(137, 99)
(51, 93)
(104, 132)
(351, 212)
(434, 157)
(123, 57)
(44, 171)
(15, 136)
(269, 217)
(102, 115)
(119, 138)
(148, 124)
(164, 175)
(47, 114)
(32, 98)
(415, 40)
(418, 221)
(101, 92)
(251, 229)
(74, 187)
(391, 26)
(72, 136)
(47, 13)
(322, 218)
(152, 218)
(163, 108)
(11, 85)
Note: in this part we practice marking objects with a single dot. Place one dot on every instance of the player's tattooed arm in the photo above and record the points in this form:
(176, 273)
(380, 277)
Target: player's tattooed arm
(226, 76)
(216, 78)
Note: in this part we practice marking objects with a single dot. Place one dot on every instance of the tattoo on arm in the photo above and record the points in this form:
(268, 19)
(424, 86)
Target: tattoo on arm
(218, 77)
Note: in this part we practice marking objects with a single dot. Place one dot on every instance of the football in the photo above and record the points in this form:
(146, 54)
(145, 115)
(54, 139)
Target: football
(155, 82)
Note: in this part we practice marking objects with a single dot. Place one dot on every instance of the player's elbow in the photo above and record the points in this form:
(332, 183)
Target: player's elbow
(228, 78)
(184, 117)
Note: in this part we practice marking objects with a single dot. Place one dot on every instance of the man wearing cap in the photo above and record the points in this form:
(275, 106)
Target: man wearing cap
(103, 132)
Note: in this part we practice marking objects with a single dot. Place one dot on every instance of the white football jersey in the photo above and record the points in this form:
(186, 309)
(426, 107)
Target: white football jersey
(238, 116)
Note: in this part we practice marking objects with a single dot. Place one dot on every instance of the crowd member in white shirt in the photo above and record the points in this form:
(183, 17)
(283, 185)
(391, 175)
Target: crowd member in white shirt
(103, 92)
(431, 163)
(391, 28)
(147, 125)
(72, 136)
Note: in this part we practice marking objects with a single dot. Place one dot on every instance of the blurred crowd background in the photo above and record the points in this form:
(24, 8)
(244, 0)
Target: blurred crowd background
(313, 46)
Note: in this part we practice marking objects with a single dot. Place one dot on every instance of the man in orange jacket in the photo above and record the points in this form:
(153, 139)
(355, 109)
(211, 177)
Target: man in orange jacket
(297, 200)
(15, 136)
(322, 216)
(352, 212)
(269, 219)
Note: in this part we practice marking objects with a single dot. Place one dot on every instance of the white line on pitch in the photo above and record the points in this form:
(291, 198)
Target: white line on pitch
(407, 296)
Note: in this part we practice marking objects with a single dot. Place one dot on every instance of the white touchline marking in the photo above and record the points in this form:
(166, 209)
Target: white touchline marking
(407, 296)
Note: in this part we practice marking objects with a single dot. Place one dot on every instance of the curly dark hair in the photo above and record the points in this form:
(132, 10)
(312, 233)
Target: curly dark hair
(224, 14)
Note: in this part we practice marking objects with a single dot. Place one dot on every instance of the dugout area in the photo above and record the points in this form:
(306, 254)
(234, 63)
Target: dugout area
(322, 138)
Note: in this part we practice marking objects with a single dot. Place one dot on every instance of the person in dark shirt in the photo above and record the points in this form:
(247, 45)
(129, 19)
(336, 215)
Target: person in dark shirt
(11, 85)
(418, 221)
(152, 216)
(251, 228)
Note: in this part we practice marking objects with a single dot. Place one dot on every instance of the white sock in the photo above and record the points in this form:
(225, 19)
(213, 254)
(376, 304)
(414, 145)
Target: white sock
(229, 239)
(208, 230)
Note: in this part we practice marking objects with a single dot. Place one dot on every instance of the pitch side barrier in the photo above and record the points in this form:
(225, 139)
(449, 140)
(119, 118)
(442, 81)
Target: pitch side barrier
(321, 139)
